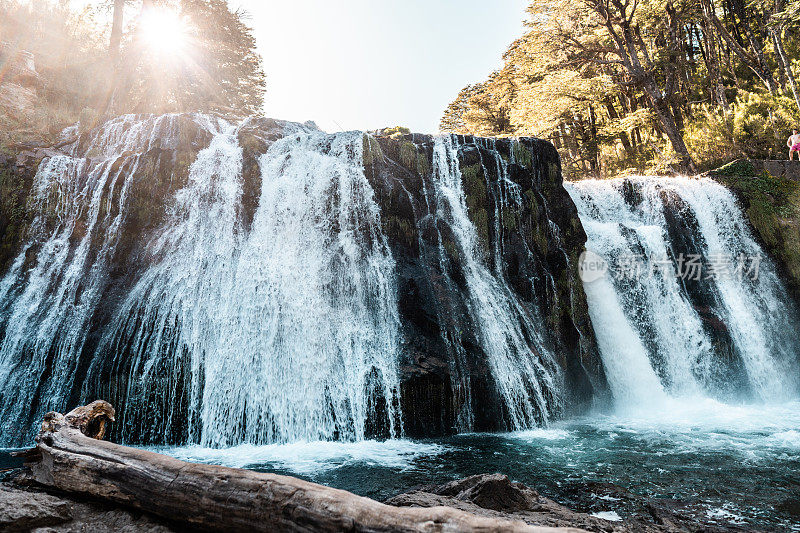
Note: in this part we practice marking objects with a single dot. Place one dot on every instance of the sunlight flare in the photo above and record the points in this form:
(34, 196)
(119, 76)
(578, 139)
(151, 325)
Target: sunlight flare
(164, 30)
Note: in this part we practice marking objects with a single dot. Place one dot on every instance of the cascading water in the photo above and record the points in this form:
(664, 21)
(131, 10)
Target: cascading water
(668, 331)
(251, 288)
(224, 284)
(525, 374)
(287, 331)
(51, 291)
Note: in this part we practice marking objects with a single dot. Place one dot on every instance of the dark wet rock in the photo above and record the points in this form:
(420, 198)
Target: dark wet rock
(16, 179)
(771, 201)
(632, 193)
(492, 491)
(495, 495)
(685, 242)
(539, 242)
(32, 510)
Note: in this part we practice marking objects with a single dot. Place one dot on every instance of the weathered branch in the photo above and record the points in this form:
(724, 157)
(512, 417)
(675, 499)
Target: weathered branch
(69, 457)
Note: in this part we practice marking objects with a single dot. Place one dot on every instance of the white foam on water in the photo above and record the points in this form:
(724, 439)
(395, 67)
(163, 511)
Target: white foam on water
(311, 457)
(788, 439)
(755, 431)
(545, 434)
(725, 513)
(611, 516)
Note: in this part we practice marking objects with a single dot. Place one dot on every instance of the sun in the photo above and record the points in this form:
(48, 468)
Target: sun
(164, 31)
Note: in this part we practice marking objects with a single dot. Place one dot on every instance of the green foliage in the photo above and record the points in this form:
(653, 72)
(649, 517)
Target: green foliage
(741, 168)
(683, 84)
(756, 127)
(396, 132)
(217, 69)
(482, 108)
(764, 192)
(521, 154)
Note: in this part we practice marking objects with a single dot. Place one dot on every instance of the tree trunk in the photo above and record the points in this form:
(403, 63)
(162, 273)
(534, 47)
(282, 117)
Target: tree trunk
(118, 100)
(618, 18)
(670, 128)
(623, 136)
(116, 32)
(787, 65)
(754, 61)
(712, 61)
(70, 457)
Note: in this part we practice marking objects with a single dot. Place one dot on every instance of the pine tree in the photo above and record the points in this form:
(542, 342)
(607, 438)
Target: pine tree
(217, 70)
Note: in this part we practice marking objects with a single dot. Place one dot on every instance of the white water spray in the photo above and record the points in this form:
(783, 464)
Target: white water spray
(47, 302)
(287, 333)
(653, 339)
(525, 375)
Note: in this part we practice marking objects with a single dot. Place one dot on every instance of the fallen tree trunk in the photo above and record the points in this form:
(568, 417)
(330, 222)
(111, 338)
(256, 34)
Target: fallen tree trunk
(70, 456)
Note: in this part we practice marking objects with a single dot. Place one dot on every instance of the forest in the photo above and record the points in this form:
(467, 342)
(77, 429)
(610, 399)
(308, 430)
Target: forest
(121, 56)
(645, 86)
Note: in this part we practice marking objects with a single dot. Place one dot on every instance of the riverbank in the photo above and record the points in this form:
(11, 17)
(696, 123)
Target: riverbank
(504, 505)
(687, 466)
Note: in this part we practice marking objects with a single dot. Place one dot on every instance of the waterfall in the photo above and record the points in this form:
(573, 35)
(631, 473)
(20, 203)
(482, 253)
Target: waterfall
(286, 330)
(724, 329)
(523, 369)
(49, 295)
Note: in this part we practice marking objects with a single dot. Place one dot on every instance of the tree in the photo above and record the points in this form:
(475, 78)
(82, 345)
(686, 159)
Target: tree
(619, 19)
(217, 69)
(752, 53)
(227, 75)
(116, 31)
(635, 85)
(482, 108)
(785, 17)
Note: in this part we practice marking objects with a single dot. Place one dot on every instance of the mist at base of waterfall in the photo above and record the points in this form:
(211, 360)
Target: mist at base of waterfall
(723, 463)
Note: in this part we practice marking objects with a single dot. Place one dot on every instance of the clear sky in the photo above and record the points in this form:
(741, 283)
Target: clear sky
(366, 64)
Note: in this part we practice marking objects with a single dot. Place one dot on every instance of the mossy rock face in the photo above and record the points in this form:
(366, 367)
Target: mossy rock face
(477, 197)
(741, 168)
(515, 198)
(15, 215)
(397, 132)
(408, 155)
(523, 156)
(372, 152)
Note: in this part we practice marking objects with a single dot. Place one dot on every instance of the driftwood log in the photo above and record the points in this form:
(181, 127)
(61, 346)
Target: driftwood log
(70, 457)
